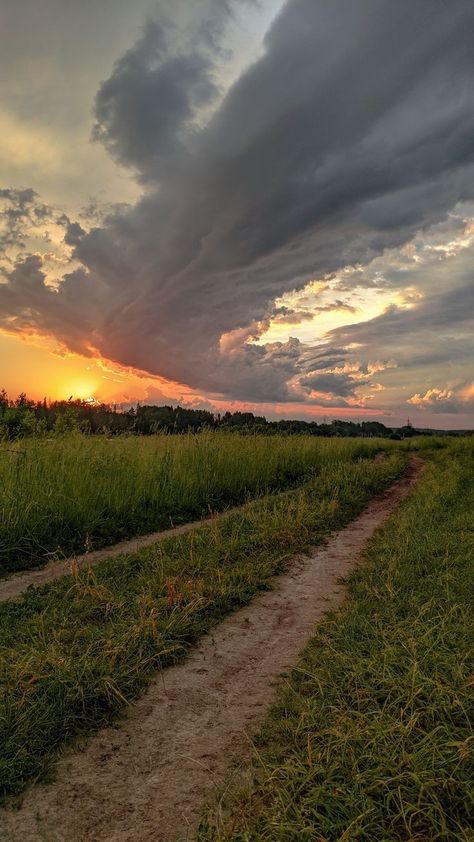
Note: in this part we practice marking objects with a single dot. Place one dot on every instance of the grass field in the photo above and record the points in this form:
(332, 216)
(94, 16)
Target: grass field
(75, 652)
(372, 737)
(72, 493)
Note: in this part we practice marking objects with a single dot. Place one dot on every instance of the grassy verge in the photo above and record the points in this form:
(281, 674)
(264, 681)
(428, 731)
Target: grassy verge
(72, 493)
(371, 738)
(75, 652)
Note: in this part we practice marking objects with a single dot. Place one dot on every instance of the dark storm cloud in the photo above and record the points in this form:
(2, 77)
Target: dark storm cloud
(350, 133)
(342, 385)
(145, 111)
(74, 230)
(141, 110)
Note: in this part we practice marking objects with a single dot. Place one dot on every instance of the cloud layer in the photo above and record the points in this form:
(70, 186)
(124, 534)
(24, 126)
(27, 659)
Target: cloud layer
(351, 133)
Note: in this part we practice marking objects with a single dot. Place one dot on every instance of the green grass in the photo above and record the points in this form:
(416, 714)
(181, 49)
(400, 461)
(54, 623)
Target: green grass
(74, 652)
(371, 738)
(71, 493)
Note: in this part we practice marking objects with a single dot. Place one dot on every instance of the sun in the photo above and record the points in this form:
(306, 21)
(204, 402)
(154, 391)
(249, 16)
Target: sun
(81, 390)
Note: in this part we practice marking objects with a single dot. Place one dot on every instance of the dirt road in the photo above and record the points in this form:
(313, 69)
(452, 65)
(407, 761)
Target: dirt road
(148, 779)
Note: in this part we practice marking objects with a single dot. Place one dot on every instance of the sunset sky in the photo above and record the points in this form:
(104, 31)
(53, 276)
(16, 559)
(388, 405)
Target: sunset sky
(239, 204)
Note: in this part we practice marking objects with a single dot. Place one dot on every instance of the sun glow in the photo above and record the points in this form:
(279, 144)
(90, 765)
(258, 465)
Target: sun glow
(81, 390)
(35, 365)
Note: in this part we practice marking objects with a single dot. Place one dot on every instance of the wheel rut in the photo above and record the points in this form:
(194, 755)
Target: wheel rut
(149, 778)
(12, 587)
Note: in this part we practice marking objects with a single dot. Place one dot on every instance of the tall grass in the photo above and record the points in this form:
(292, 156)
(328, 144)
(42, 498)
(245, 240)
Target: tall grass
(73, 652)
(75, 492)
(372, 738)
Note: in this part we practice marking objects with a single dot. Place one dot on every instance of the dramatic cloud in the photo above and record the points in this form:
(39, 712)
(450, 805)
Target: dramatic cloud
(449, 401)
(146, 110)
(342, 385)
(351, 133)
(418, 332)
(437, 400)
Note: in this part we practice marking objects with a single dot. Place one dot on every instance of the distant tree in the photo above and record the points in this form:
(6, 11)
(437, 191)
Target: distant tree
(407, 432)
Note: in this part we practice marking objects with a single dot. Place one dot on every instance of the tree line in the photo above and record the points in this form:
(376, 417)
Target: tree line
(25, 417)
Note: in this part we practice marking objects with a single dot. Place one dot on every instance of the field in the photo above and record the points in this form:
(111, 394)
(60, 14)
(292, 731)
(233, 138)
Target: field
(75, 652)
(71, 493)
(372, 737)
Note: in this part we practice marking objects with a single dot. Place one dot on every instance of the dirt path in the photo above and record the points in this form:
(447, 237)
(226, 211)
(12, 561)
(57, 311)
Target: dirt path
(13, 586)
(148, 779)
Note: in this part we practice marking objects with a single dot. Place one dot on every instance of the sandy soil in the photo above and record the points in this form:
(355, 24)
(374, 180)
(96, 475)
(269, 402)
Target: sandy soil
(148, 779)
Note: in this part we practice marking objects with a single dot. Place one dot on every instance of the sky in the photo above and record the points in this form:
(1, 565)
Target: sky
(240, 204)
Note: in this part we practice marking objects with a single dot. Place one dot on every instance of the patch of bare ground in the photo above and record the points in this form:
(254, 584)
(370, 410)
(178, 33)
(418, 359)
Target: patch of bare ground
(148, 779)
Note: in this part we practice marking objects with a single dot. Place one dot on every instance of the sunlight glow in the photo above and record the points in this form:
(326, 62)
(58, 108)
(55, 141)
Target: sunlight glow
(81, 390)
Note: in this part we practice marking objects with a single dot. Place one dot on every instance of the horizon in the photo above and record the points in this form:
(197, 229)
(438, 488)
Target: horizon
(263, 207)
(92, 403)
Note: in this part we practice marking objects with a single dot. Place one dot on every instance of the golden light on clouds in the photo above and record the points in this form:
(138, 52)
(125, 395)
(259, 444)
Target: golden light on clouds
(330, 310)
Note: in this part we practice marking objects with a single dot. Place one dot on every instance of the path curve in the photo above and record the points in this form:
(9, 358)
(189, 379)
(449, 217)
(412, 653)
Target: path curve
(148, 779)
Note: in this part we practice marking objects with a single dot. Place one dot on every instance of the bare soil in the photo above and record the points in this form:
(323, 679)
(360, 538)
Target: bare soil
(149, 778)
